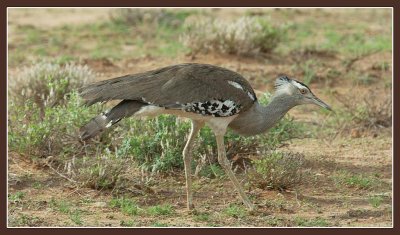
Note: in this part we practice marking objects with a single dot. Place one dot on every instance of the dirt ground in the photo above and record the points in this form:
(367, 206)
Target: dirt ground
(322, 202)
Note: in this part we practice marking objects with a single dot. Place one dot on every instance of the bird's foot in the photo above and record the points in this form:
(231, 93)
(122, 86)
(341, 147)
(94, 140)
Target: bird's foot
(190, 206)
(250, 206)
(191, 210)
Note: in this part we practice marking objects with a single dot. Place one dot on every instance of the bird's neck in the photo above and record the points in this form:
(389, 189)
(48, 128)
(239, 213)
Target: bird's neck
(259, 119)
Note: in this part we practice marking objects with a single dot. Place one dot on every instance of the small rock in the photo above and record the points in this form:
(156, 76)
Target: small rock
(100, 204)
(355, 133)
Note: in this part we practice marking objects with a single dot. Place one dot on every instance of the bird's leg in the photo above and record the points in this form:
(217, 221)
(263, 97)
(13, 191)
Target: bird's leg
(223, 161)
(187, 159)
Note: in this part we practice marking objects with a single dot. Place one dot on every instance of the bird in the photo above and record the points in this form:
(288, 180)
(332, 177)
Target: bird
(207, 95)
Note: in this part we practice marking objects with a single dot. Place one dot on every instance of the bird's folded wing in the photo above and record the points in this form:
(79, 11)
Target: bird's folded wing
(174, 85)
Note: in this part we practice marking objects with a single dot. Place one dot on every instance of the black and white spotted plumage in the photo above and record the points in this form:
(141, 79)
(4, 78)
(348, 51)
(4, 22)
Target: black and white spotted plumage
(215, 108)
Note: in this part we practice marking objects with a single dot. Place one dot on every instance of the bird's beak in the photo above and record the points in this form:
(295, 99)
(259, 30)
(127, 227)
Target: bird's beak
(321, 103)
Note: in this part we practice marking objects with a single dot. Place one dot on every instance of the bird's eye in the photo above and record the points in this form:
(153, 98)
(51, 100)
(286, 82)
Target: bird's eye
(303, 91)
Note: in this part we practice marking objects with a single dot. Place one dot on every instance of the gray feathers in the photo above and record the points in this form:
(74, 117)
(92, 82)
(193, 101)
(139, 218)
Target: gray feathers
(281, 81)
(259, 119)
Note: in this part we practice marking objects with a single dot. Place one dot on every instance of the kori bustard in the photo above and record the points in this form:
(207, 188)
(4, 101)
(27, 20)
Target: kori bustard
(204, 93)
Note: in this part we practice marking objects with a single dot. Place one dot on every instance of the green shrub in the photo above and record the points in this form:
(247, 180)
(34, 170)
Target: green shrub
(277, 170)
(155, 144)
(103, 171)
(53, 134)
(244, 36)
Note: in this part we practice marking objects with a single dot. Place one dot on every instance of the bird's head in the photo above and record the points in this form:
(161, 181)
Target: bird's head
(300, 92)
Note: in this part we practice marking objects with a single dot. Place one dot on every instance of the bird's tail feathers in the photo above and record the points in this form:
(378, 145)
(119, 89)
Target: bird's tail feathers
(105, 120)
(96, 125)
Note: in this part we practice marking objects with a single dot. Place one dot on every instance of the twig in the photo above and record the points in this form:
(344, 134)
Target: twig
(61, 175)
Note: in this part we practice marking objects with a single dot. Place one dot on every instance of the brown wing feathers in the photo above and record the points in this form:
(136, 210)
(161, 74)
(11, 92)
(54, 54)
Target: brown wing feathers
(183, 83)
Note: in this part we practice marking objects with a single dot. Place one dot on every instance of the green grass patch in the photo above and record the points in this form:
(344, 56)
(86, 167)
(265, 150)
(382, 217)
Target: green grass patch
(317, 222)
(309, 70)
(159, 224)
(212, 171)
(16, 197)
(21, 220)
(61, 206)
(235, 211)
(348, 39)
(160, 210)
(107, 39)
(65, 207)
(37, 185)
(202, 217)
(375, 200)
(129, 223)
(126, 205)
(358, 181)
(76, 217)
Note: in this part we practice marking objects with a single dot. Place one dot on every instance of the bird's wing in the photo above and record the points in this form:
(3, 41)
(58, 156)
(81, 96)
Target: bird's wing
(175, 85)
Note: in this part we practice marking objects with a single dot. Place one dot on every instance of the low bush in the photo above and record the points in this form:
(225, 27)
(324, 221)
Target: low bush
(277, 170)
(249, 36)
(48, 84)
(363, 112)
(55, 132)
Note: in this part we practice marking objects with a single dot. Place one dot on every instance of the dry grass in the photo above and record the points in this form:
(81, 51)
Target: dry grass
(372, 111)
(48, 84)
(248, 36)
(277, 170)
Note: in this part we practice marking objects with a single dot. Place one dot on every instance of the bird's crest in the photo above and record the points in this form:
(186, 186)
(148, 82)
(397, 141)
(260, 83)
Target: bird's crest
(282, 84)
(282, 81)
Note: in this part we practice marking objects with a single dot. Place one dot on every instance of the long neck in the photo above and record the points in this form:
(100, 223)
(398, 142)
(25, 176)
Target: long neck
(259, 119)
